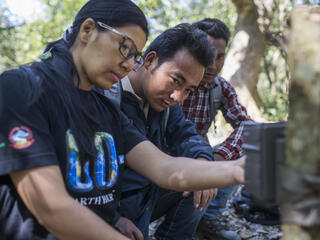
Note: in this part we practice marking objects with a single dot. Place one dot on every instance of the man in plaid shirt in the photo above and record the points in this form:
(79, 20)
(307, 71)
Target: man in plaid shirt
(197, 109)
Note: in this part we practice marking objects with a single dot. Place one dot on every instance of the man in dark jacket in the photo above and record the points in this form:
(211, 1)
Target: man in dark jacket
(174, 65)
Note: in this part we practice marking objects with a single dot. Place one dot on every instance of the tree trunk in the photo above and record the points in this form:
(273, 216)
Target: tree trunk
(243, 60)
(303, 134)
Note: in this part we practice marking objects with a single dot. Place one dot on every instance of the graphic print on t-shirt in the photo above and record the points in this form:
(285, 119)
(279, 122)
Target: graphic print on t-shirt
(106, 154)
(20, 137)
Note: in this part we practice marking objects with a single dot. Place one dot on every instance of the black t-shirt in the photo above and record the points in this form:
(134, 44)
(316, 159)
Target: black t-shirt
(37, 134)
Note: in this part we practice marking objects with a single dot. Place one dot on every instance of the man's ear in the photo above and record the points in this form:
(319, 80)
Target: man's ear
(151, 60)
(86, 30)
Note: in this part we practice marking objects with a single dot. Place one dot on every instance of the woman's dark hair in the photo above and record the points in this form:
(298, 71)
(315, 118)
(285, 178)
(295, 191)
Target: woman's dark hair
(57, 71)
(183, 36)
(115, 13)
(214, 27)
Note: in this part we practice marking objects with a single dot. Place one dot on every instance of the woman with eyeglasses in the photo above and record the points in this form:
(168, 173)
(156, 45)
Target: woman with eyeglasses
(63, 146)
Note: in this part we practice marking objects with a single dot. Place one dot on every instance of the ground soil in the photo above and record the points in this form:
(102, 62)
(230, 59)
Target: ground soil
(237, 222)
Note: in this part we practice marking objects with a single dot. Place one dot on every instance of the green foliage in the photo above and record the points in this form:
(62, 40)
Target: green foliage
(273, 85)
(8, 32)
(58, 15)
(168, 13)
(25, 43)
(274, 76)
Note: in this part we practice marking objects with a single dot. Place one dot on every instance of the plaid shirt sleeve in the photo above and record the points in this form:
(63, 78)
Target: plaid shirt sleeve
(236, 115)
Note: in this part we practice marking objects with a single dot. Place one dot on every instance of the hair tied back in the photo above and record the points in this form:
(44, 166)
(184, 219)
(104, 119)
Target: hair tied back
(66, 35)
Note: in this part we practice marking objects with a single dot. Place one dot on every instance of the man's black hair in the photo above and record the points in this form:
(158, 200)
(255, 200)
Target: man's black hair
(183, 36)
(214, 27)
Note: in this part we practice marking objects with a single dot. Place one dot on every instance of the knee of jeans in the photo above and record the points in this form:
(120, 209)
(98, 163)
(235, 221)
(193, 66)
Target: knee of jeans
(193, 212)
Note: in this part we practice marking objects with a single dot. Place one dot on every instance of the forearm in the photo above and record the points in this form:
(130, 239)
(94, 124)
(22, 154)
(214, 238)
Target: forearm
(203, 159)
(43, 192)
(73, 221)
(183, 173)
(186, 174)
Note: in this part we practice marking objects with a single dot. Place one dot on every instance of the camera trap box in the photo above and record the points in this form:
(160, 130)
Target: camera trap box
(264, 145)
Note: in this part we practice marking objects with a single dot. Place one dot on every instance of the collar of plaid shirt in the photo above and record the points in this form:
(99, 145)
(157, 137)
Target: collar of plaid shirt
(208, 86)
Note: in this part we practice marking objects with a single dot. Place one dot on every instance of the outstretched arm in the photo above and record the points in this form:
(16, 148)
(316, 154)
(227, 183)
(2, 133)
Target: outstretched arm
(43, 192)
(183, 173)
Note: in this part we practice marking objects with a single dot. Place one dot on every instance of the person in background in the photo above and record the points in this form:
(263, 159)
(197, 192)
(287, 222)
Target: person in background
(215, 93)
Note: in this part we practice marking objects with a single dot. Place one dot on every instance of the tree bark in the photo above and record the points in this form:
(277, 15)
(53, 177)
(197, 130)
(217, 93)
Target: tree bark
(243, 60)
(303, 134)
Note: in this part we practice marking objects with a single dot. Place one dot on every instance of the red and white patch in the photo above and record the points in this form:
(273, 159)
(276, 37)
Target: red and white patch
(20, 137)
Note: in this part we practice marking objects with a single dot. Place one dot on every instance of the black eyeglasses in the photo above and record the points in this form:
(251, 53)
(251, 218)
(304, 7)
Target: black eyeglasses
(127, 47)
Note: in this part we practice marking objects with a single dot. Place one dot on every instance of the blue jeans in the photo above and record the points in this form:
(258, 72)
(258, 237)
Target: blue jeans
(219, 204)
(181, 218)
